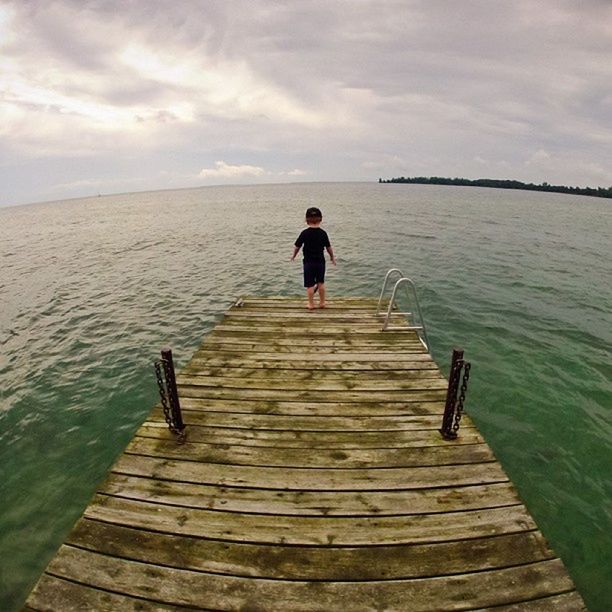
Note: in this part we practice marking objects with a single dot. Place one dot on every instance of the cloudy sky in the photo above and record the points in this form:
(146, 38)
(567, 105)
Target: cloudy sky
(104, 96)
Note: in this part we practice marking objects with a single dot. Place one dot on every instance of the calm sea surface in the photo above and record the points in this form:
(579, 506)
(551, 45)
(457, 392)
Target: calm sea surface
(91, 289)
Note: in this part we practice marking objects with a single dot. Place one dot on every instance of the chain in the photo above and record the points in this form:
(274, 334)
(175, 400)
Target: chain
(454, 377)
(451, 399)
(163, 394)
(459, 406)
(166, 399)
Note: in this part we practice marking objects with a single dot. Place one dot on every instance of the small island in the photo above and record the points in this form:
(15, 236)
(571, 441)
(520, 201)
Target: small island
(599, 192)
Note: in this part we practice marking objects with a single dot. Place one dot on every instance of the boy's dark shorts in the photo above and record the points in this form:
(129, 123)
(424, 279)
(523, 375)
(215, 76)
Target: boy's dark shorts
(314, 272)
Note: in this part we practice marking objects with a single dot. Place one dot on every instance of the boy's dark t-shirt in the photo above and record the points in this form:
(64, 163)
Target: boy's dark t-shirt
(314, 240)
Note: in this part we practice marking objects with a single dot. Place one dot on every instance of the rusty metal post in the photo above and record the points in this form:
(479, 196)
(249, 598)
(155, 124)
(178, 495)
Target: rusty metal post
(175, 406)
(451, 395)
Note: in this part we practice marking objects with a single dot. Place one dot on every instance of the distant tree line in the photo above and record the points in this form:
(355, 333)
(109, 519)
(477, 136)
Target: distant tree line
(600, 192)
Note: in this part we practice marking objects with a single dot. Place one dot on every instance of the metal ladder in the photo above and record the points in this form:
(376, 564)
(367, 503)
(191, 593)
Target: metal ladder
(410, 288)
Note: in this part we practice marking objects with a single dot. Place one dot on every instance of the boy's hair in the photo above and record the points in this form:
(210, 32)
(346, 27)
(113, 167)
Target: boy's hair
(313, 214)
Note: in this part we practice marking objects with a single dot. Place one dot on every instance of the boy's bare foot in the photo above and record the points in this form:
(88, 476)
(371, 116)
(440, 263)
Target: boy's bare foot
(321, 305)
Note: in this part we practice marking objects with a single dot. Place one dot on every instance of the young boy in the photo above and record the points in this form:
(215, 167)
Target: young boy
(314, 239)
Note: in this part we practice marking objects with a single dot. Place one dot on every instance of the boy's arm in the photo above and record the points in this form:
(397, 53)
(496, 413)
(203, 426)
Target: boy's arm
(296, 250)
(331, 254)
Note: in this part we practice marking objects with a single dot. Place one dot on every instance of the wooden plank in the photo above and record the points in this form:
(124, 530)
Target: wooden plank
(421, 394)
(568, 602)
(397, 357)
(310, 530)
(294, 439)
(299, 296)
(370, 332)
(319, 503)
(388, 376)
(382, 341)
(297, 307)
(215, 360)
(305, 347)
(321, 315)
(300, 306)
(315, 323)
(410, 406)
(310, 479)
(212, 591)
(455, 454)
(298, 302)
(53, 593)
(300, 309)
(319, 385)
(317, 327)
(318, 320)
(249, 343)
(247, 346)
(308, 422)
(248, 369)
(308, 562)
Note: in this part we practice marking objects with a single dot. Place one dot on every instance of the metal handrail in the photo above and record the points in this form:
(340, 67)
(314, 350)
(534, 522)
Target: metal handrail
(384, 287)
(407, 283)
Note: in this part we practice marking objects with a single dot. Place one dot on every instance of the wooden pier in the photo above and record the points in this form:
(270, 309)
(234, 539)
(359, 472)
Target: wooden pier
(314, 477)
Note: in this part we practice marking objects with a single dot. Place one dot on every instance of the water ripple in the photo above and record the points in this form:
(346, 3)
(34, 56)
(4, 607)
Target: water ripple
(91, 290)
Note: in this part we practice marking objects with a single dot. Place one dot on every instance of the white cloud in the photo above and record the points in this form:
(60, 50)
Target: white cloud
(142, 92)
(217, 86)
(386, 162)
(424, 87)
(223, 170)
(569, 165)
(6, 16)
(83, 183)
(539, 157)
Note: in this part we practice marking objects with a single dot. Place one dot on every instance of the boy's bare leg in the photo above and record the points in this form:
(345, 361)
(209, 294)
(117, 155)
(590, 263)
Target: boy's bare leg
(310, 294)
(321, 295)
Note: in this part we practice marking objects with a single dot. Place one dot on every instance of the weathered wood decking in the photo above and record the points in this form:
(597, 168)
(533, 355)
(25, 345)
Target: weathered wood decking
(313, 478)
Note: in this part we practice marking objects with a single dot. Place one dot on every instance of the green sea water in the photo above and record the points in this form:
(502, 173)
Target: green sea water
(91, 289)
